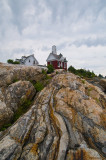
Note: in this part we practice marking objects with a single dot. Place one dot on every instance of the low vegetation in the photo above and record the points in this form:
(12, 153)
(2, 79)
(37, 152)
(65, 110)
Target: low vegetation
(101, 76)
(50, 69)
(10, 61)
(46, 75)
(82, 72)
(38, 86)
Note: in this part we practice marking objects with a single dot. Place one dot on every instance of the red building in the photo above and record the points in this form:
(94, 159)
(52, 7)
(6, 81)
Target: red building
(58, 61)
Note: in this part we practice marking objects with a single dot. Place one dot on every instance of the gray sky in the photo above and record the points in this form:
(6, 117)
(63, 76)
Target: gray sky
(76, 27)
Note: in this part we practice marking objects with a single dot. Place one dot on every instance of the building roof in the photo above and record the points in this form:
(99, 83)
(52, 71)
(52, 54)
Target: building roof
(57, 57)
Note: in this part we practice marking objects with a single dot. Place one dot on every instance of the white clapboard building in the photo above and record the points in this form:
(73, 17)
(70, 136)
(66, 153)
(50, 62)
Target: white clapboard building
(28, 60)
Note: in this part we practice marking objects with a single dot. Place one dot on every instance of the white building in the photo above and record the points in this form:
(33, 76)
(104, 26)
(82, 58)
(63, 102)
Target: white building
(28, 61)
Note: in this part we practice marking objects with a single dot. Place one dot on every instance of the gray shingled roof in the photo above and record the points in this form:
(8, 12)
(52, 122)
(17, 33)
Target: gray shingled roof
(58, 57)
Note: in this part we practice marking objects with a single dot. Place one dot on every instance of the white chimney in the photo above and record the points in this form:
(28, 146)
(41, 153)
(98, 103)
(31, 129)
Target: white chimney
(54, 49)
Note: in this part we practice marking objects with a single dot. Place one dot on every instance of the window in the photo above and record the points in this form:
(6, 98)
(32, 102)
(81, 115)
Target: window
(33, 62)
(29, 60)
(58, 64)
(61, 64)
(51, 62)
(65, 65)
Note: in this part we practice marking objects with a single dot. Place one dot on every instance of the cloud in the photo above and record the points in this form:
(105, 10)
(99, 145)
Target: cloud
(76, 27)
(90, 42)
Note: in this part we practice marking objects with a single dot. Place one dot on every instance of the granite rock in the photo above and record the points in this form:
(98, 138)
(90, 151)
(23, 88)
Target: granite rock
(66, 121)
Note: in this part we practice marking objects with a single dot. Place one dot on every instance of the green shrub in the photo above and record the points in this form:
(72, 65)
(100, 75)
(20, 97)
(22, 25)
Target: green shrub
(72, 69)
(10, 61)
(82, 72)
(57, 72)
(38, 86)
(44, 72)
(50, 69)
(100, 76)
(16, 62)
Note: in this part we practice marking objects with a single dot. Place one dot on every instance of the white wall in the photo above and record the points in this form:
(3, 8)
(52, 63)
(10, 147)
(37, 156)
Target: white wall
(31, 63)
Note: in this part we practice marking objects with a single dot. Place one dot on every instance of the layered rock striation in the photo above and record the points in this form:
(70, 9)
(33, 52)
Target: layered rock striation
(66, 122)
(16, 89)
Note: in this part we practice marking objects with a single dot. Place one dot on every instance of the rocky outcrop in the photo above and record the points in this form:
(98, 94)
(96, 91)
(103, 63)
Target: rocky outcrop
(12, 98)
(103, 84)
(16, 88)
(12, 73)
(66, 121)
(96, 81)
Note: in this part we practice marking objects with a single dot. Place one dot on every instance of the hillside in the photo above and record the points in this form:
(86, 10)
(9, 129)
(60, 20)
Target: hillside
(66, 120)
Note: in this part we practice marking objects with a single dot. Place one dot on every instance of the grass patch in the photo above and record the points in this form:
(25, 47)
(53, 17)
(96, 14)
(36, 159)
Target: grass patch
(83, 81)
(44, 72)
(46, 76)
(38, 86)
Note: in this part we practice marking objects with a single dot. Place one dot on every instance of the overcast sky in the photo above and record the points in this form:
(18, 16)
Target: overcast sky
(76, 27)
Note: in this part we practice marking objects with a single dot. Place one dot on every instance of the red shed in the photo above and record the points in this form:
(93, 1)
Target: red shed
(58, 61)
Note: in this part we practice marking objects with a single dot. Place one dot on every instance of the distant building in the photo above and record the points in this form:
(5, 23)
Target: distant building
(28, 61)
(58, 61)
